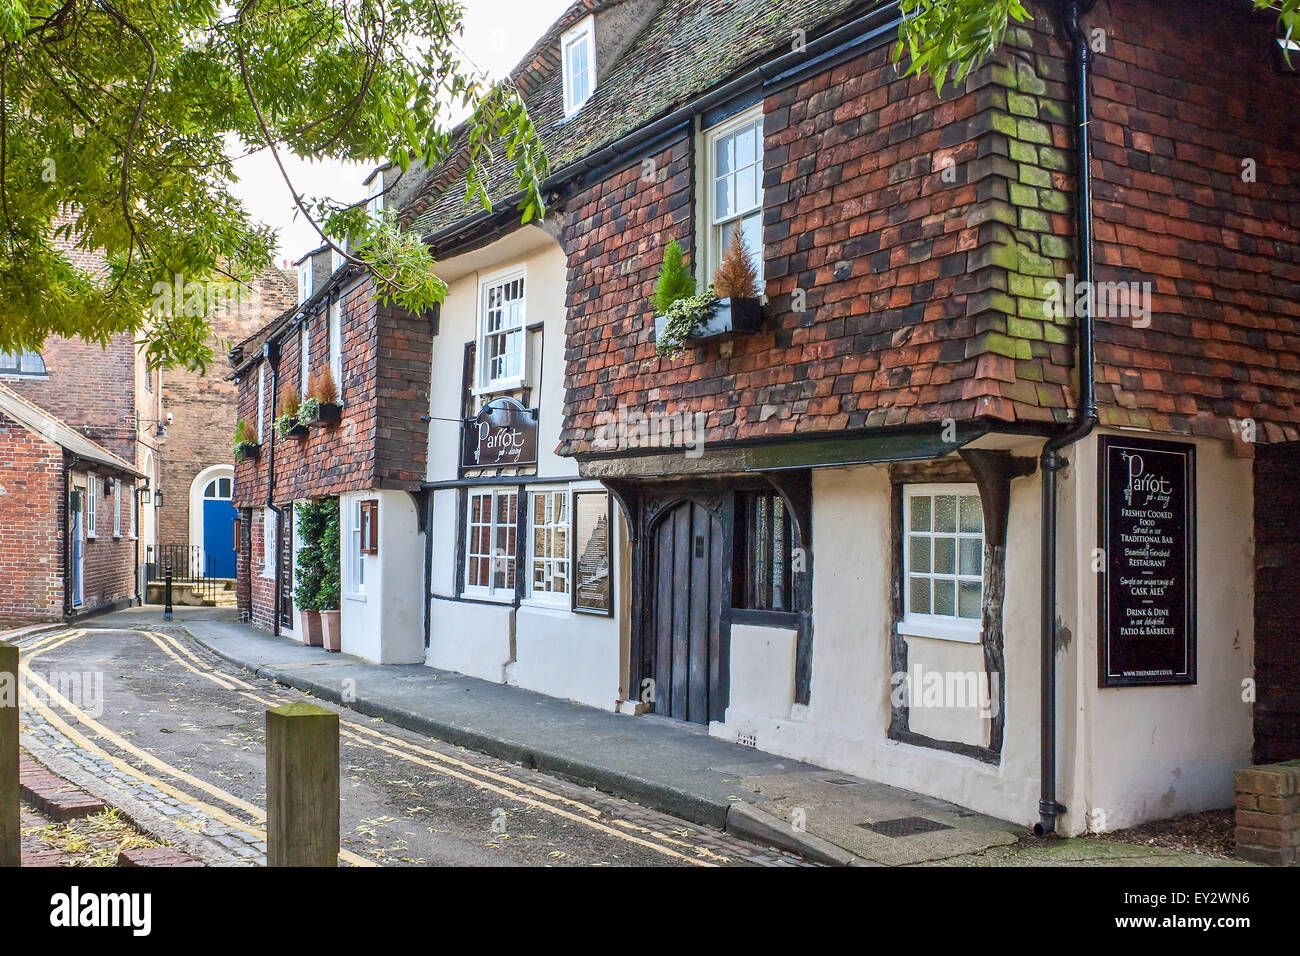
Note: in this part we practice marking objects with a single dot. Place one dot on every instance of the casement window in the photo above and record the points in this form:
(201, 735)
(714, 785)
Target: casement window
(501, 332)
(261, 402)
(269, 536)
(336, 344)
(733, 187)
(491, 529)
(304, 358)
(763, 560)
(24, 362)
(304, 280)
(117, 508)
(592, 547)
(362, 543)
(92, 505)
(549, 553)
(578, 47)
(943, 561)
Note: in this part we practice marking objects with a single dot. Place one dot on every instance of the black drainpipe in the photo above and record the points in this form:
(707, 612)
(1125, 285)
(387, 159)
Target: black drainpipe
(1052, 461)
(271, 352)
(67, 532)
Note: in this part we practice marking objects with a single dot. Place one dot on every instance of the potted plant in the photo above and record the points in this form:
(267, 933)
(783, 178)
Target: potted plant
(286, 417)
(729, 304)
(327, 598)
(246, 446)
(308, 571)
(322, 406)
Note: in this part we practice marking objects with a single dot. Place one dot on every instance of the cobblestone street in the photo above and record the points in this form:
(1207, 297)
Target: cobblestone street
(154, 724)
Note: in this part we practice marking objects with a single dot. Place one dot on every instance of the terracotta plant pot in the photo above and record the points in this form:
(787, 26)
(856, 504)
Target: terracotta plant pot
(311, 629)
(329, 625)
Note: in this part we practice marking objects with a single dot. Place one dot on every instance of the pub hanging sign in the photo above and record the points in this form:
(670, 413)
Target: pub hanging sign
(502, 434)
(1147, 593)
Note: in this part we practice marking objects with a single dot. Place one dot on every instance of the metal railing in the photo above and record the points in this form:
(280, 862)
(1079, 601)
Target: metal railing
(191, 569)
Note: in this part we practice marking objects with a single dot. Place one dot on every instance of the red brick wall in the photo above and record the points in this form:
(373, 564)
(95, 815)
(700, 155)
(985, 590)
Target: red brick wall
(380, 441)
(904, 318)
(31, 542)
(90, 388)
(1181, 98)
(203, 405)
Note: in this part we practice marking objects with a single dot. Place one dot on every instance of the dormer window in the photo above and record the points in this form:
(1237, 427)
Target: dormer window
(578, 47)
(304, 280)
(375, 197)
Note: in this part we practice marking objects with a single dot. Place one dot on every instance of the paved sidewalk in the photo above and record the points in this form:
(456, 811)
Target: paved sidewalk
(659, 763)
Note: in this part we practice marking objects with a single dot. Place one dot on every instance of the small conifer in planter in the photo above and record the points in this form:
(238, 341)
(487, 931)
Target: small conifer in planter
(736, 284)
(679, 311)
(322, 406)
(286, 417)
(246, 445)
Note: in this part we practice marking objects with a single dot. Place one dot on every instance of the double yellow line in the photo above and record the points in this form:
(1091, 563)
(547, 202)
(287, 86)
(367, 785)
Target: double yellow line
(360, 734)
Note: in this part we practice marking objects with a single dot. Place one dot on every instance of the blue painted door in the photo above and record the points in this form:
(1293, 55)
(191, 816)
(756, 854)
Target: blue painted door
(219, 536)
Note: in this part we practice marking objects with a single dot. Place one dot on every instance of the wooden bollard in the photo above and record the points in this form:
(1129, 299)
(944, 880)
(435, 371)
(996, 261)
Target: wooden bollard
(10, 838)
(302, 786)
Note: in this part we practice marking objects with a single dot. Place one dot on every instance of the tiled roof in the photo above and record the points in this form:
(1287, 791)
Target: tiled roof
(40, 422)
(687, 49)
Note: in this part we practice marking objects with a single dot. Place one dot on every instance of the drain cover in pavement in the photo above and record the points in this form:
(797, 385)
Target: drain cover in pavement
(905, 826)
(842, 782)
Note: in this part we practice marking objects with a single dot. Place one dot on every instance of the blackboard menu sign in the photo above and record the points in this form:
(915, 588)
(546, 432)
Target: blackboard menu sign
(1147, 592)
(503, 433)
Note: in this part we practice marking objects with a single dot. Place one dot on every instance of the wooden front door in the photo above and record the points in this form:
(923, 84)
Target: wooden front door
(688, 644)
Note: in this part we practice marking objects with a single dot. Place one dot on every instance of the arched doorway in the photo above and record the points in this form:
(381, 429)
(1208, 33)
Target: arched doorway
(212, 519)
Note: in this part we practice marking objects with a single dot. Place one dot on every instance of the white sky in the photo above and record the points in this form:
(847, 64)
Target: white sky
(497, 34)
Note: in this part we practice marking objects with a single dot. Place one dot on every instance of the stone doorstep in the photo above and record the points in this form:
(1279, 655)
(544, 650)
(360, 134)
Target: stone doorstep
(54, 796)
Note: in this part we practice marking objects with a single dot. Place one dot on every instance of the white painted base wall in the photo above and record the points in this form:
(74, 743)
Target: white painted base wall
(385, 624)
(1125, 755)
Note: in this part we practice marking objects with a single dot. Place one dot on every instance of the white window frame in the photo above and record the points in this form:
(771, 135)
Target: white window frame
(135, 530)
(506, 593)
(486, 384)
(335, 333)
(304, 358)
(717, 230)
(270, 542)
(337, 259)
(92, 505)
(550, 598)
(961, 629)
(354, 577)
(584, 34)
(117, 507)
(305, 278)
(261, 402)
(375, 197)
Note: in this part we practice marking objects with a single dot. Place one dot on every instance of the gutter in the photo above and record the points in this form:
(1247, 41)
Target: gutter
(785, 69)
(1052, 461)
(271, 352)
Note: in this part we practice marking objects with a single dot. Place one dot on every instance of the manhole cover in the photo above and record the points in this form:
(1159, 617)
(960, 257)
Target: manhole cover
(905, 826)
(843, 782)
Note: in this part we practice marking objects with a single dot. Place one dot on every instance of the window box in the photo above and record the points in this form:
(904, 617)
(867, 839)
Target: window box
(290, 428)
(323, 413)
(730, 317)
(247, 451)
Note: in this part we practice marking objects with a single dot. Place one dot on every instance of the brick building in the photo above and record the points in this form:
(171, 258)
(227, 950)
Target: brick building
(67, 518)
(976, 511)
(196, 470)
